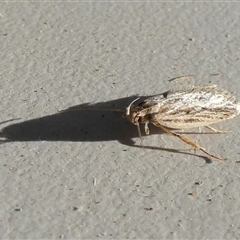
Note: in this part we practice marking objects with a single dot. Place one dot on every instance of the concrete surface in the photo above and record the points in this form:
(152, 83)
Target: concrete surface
(78, 174)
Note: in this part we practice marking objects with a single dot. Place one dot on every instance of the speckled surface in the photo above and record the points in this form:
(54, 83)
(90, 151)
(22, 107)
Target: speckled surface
(82, 174)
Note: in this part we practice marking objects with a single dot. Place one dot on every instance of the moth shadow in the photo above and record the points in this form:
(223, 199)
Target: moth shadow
(82, 123)
(103, 121)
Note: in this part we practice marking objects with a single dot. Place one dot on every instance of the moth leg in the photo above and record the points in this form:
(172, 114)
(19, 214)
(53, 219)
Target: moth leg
(146, 128)
(217, 131)
(188, 141)
(140, 135)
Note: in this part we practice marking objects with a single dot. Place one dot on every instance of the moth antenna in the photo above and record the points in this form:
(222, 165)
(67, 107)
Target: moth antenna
(178, 78)
(94, 109)
(128, 108)
(10, 120)
(185, 85)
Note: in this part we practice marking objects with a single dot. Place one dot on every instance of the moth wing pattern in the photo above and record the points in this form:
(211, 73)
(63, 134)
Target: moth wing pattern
(185, 108)
(198, 107)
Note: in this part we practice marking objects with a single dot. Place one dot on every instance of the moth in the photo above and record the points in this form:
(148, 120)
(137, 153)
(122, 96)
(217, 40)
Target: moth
(182, 108)
(198, 106)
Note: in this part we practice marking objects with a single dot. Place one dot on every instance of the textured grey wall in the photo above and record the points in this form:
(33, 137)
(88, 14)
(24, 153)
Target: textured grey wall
(77, 174)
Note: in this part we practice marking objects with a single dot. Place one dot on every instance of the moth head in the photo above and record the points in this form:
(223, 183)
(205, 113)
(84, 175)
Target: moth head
(132, 113)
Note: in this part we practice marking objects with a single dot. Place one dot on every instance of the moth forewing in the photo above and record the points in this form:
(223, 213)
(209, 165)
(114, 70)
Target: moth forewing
(189, 108)
(200, 107)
